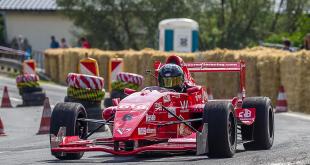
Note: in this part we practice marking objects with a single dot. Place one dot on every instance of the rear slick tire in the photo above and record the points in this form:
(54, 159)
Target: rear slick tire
(66, 115)
(263, 127)
(222, 129)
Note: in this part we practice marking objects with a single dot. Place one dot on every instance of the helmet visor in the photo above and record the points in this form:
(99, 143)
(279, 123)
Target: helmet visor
(169, 82)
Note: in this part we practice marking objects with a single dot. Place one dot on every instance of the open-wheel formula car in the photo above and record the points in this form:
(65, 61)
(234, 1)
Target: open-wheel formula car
(174, 116)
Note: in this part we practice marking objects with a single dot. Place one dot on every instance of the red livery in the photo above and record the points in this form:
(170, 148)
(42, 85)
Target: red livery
(161, 119)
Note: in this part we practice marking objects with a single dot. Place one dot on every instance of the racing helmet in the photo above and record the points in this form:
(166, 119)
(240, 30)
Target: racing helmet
(171, 76)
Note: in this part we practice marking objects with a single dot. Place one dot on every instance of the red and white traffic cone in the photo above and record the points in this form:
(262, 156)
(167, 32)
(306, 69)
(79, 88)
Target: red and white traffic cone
(210, 95)
(281, 101)
(6, 102)
(46, 118)
(1, 129)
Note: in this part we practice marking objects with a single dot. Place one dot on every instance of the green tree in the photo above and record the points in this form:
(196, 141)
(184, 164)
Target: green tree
(123, 24)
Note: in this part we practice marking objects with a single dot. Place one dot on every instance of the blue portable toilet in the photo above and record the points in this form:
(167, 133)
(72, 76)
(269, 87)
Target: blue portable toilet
(178, 35)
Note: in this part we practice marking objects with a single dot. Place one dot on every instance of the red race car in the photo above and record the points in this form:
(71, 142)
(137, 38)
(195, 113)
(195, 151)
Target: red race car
(174, 116)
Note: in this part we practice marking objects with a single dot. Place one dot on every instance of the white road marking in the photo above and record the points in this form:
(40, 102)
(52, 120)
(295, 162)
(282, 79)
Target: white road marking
(297, 115)
(15, 99)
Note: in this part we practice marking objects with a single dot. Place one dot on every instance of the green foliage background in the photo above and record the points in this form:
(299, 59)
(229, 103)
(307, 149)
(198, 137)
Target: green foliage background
(234, 24)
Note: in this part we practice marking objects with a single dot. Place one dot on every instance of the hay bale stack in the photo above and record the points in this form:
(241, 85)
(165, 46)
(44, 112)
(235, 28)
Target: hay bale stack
(53, 57)
(131, 62)
(104, 58)
(47, 66)
(251, 77)
(290, 79)
(269, 73)
(304, 81)
(223, 85)
(145, 64)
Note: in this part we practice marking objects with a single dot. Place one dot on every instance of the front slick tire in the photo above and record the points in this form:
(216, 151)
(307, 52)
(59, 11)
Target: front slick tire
(222, 129)
(263, 126)
(66, 115)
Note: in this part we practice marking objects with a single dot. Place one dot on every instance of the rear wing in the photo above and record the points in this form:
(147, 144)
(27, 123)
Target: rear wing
(238, 67)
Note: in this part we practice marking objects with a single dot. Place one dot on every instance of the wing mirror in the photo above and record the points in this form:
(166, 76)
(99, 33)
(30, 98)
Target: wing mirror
(129, 91)
(192, 90)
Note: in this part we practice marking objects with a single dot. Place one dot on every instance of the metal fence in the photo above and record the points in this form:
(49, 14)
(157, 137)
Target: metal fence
(20, 56)
(38, 56)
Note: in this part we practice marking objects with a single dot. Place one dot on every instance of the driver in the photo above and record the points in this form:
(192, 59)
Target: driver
(171, 76)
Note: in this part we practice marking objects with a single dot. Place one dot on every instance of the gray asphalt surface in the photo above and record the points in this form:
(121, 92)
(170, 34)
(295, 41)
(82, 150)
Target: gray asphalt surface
(23, 146)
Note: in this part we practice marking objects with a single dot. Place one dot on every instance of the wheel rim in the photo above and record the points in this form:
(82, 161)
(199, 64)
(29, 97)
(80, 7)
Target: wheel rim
(231, 130)
(80, 128)
(271, 120)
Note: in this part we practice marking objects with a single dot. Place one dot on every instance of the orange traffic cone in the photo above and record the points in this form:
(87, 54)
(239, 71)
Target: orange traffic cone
(281, 101)
(210, 95)
(46, 117)
(6, 102)
(1, 129)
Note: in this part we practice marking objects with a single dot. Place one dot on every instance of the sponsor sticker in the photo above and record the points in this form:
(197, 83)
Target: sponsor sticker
(132, 107)
(150, 118)
(141, 131)
(199, 107)
(171, 109)
(176, 96)
(121, 131)
(184, 130)
(198, 97)
(246, 115)
(184, 106)
(151, 130)
(166, 98)
(205, 96)
(158, 107)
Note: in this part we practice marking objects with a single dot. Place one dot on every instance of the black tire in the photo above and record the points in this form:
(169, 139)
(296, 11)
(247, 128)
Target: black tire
(66, 115)
(86, 104)
(30, 90)
(222, 129)
(117, 94)
(263, 127)
(93, 110)
(108, 102)
(95, 113)
(33, 99)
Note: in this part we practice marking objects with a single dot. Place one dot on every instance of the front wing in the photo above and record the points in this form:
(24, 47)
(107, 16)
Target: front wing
(196, 142)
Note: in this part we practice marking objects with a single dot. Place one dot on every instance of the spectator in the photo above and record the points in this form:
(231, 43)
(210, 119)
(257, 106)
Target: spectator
(287, 45)
(85, 43)
(54, 43)
(14, 43)
(306, 44)
(21, 42)
(63, 43)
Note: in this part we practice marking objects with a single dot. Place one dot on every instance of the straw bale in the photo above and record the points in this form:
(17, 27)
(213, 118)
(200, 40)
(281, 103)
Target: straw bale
(145, 64)
(223, 85)
(304, 81)
(46, 64)
(62, 75)
(290, 79)
(54, 63)
(251, 77)
(269, 74)
(131, 62)
(104, 58)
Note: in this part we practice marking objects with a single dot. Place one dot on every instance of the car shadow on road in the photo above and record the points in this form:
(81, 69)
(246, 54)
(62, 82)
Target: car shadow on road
(141, 158)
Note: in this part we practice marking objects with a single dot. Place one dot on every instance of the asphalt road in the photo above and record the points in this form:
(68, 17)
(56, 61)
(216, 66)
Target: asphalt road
(23, 146)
